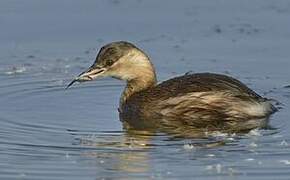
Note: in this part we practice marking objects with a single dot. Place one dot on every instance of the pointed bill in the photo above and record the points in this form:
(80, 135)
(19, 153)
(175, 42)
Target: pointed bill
(91, 74)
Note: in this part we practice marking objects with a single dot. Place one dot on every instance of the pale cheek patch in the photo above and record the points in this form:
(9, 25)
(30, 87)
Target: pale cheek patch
(132, 66)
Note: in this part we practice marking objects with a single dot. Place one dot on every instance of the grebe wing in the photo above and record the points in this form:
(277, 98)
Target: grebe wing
(203, 82)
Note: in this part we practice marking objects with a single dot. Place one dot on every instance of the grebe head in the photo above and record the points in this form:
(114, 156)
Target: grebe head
(121, 60)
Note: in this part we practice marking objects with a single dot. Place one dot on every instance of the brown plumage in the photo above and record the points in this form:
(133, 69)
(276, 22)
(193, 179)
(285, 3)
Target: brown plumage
(203, 101)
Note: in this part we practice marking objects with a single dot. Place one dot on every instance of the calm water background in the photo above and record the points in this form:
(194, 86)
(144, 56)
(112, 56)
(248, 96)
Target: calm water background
(47, 132)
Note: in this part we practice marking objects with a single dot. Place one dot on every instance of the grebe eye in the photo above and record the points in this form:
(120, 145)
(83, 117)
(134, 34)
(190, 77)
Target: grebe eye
(109, 62)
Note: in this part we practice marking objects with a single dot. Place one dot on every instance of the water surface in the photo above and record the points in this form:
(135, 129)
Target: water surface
(47, 132)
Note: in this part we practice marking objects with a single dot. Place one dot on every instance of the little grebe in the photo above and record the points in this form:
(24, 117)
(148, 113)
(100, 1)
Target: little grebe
(198, 101)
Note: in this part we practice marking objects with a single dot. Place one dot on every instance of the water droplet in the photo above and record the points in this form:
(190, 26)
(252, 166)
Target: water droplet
(283, 143)
(188, 146)
(253, 144)
(102, 161)
(250, 159)
(218, 168)
(287, 162)
(254, 132)
(210, 155)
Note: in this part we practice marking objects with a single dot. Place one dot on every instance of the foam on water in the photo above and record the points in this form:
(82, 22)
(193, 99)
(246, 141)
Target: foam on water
(15, 70)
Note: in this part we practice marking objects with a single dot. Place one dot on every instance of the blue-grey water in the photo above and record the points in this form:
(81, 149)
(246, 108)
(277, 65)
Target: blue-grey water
(47, 132)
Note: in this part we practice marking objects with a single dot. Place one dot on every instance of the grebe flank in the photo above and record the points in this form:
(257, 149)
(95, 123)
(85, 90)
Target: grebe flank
(192, 101)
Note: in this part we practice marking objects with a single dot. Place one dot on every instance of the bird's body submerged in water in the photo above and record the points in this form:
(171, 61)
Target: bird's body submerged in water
(193, 101)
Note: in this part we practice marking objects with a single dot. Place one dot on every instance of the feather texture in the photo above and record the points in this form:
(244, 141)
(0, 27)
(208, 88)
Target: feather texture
(203, 100)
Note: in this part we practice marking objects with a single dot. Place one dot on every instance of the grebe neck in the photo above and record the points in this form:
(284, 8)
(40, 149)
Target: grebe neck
(143, 82)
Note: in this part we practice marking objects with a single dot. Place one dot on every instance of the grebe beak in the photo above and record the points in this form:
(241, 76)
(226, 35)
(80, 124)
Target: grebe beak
(92, 73)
